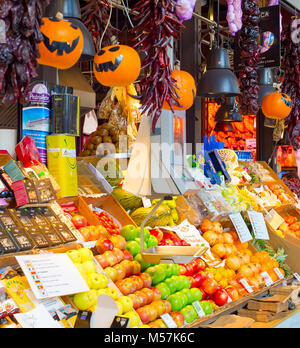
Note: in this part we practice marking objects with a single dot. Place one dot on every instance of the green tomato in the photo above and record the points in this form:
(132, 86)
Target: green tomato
(207, 307)
(133, 247)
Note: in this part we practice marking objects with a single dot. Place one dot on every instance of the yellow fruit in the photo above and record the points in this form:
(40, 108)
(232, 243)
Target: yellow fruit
(134, 318)
(120, 307)
(224, 283)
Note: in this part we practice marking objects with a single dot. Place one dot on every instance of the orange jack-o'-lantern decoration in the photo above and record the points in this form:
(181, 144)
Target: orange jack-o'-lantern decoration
(63, 43)
(117, 65)
(186, 90)
(277, 106)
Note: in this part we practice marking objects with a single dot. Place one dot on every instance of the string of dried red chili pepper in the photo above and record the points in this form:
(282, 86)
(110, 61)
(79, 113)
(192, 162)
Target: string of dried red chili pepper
(155, 27)
(19, 52)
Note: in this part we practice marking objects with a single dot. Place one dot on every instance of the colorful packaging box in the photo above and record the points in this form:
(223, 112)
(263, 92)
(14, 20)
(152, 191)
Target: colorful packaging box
(62, 163)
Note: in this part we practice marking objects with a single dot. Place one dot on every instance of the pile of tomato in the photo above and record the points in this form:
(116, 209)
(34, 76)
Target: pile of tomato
(108, 222)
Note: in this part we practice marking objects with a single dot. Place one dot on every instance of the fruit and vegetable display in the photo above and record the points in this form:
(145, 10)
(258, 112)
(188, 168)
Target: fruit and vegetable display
(19, 52)
(293, 184)
(290, 225)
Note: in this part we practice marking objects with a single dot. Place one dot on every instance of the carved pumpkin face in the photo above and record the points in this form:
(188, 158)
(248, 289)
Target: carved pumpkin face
(186, 90)
(63, 43)
(118, 65)
(277, 106)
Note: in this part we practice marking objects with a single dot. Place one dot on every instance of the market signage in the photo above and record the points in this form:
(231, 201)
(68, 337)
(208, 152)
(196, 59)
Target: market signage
(269, 29)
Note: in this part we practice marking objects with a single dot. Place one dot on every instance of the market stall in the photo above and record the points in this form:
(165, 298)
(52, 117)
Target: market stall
(107, 218)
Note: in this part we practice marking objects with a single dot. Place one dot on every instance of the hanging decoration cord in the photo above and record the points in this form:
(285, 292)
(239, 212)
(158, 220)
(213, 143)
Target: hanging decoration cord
(107, 25)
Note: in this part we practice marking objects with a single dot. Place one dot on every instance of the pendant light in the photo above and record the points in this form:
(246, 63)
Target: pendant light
(218, 80)
(265, 83)
(224, 127)
(229, 111)
(71, 11)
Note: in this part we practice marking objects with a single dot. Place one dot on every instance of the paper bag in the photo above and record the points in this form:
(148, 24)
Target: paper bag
(138, 177)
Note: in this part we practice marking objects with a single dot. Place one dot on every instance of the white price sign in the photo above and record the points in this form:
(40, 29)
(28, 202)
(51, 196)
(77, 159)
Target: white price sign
(267, 278)
(258, 224)
(246, 286)
(168, 320)
(279, 274)
(241, 227)
(198, 309)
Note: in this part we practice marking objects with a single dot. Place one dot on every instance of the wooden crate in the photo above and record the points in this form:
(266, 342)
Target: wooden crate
(261, 316)
(111, 206)
(275, 304)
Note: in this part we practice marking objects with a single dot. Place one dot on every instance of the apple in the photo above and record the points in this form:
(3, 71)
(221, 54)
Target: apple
(143, 297)
(126, 286)
(152, 242)
(196, 294)
(104, 244)
(118, 254)
(134, 318)
(112, 292)
(182, 270)
(81, 270)
(136, 267)
(112, 273)
(86, 254)
(127, 255)
(210, 286)
(101, 259)
(186, 284)
(135, 300)
(201, 264)
(79, 221)
(118, 242)
(189, 313)
(220, 298)
(157, 293)
(184, 299)
(178, 318)
(139, 283)
(102, 231)
(85, 300)
(121, 270)
(153, 312)
(150, 295)
(126, 302)
(89, 267)
(207, 307)
(168, 306)
(157, 233)
(85, 232)
(133, 247)
(157, 274)
(128, 266)
(168, 270)
(111, 258)
(164, 290)
(142, 262)
(189, 295)
(176, 302)
(94, 234)
(171, 284)
(178, 281)
(97, 281)
(192, 281)
(160, 307)
(158, 324)
(74, 255)
(129, 232)
(175, 269)
(147, 280)
(144, 314)
(199, 278)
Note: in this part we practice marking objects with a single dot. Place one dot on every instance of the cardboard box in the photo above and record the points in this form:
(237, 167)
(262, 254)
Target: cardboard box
(62, 163)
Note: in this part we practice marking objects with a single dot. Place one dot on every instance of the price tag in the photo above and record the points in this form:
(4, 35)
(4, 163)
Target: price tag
(258, 224)
(296, 275)
(89, 245)
(267, 278)
(241, 227)
(279, 274)
(146, 202)
(229, 299)
(168, 320)
(274, 219)
(246, 286)
(198, 309)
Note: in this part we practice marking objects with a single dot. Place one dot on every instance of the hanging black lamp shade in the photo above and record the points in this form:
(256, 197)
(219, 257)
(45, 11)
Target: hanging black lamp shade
(228, 112)
(265, 83)
(224, 127)
(218, 80)
(71, 11)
